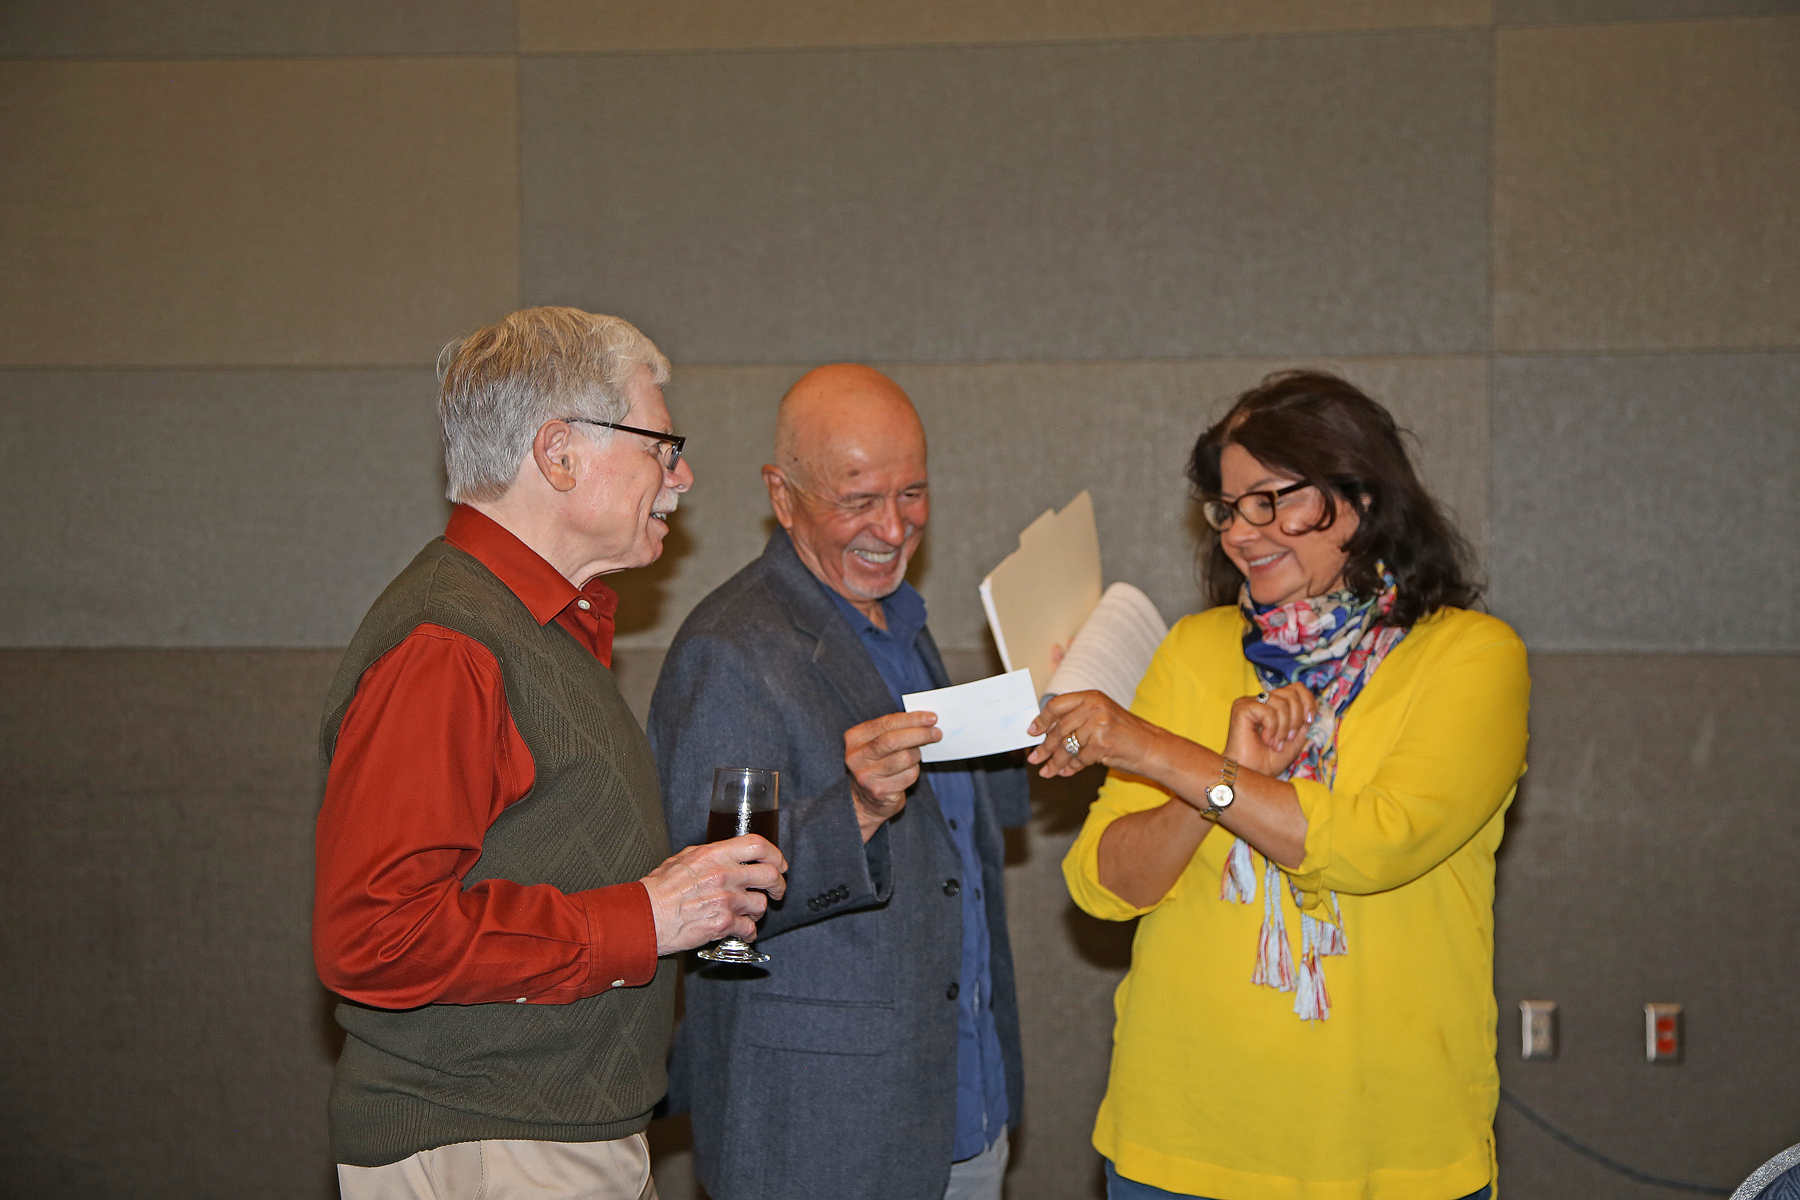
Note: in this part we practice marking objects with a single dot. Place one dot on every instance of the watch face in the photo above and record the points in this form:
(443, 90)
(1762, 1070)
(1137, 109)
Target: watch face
(1220, 795)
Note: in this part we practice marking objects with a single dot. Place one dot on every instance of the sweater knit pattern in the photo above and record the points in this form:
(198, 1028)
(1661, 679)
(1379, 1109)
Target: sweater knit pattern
(586, 1071)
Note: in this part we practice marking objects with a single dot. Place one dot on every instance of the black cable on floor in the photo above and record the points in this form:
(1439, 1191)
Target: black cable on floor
(1609, 1163)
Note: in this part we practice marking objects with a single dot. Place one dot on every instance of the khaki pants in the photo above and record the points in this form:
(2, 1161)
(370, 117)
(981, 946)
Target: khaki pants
(510, 1170)
(981, 1177)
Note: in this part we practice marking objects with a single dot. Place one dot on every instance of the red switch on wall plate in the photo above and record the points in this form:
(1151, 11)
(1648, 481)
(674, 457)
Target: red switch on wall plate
(1662, 1033)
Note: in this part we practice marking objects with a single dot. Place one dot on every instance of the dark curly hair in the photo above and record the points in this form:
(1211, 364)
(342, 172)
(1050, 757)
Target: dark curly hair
(1322, 430)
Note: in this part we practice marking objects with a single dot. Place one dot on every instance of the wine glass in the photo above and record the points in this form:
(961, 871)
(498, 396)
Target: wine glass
(744, 800)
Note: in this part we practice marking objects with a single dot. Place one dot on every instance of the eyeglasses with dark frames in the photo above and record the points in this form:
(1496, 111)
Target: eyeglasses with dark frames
(674, 441)
(1258, 508)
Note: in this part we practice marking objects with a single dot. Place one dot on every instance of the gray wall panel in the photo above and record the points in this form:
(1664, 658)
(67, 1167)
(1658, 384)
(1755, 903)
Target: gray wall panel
(269, 508)
(1647, 503)
(210, 508)
(169, 1038)
(564, 26)
(1011, 439)
(321, 212)
(1073, 255)
(723, 522)
(1062, 202)
(184, 28)
(1546, 12)
(1644, 185)
(1651, 858)
(160, 805)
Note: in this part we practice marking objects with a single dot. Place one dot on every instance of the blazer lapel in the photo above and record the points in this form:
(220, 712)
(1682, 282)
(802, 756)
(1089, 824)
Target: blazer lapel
(838, 653)
(846, 666)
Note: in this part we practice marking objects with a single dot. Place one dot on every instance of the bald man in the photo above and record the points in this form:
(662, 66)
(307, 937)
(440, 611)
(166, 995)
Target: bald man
(877, 1054)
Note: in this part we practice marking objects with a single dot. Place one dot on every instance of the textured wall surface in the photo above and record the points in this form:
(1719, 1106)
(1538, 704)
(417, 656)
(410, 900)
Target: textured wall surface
(1611, 895)
(1557, 237)
(1092, 201)
(238, 212)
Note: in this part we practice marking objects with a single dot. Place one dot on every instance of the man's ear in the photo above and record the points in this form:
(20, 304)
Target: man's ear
(781, 495)
(553, 450)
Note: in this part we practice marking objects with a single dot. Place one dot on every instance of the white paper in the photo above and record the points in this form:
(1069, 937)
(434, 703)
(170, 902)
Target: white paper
(1114, 647)
(980, 718)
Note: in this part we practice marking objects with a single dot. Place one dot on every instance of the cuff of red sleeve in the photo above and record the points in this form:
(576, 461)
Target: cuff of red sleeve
(1309, 877)
(621, 936)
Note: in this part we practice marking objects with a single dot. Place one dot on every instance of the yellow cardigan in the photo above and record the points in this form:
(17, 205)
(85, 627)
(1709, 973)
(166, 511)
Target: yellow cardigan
(1217, 1088)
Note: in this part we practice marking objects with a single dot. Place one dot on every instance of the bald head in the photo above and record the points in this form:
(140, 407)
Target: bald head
(832, 412)
(848, 483)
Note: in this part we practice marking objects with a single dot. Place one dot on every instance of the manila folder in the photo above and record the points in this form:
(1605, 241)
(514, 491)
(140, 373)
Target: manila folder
(1041, 593)
(1114, 647)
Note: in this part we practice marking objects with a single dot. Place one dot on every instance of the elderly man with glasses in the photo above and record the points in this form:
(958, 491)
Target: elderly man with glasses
(877, 1056)
(494, 895)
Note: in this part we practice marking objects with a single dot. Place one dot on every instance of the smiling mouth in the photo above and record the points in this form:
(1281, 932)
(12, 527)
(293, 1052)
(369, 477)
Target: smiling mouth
(879, 558)
(1258, 563)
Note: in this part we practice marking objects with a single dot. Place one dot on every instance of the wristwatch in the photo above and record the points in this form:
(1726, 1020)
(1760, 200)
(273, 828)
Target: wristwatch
(1220, 795)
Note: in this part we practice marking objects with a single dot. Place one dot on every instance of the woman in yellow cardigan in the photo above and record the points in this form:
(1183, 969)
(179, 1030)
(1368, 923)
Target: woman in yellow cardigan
(1303, 808)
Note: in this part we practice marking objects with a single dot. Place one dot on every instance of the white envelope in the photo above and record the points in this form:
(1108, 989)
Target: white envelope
(985, 717)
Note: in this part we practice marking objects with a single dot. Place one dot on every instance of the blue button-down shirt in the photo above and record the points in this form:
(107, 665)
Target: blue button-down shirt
(980, 1076)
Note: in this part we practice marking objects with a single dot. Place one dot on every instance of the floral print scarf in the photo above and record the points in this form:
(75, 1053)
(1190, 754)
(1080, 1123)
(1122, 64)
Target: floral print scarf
(1332, 644)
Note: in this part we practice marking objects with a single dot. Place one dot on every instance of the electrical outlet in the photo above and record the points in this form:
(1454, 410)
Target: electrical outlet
(1663, 1033)
(1537, 1029)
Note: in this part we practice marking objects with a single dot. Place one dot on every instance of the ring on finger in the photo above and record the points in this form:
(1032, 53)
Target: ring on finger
(1262, 697)
(1072, 746)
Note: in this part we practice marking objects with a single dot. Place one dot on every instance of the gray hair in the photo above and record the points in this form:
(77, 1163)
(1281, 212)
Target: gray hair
(500, 384)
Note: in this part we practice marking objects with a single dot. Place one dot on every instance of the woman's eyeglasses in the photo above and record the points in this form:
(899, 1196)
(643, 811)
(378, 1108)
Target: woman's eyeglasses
(1258, 508)
(673, 441)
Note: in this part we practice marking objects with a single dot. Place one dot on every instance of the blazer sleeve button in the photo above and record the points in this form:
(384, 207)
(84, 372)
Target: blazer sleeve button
(953, 991)
(951, 887)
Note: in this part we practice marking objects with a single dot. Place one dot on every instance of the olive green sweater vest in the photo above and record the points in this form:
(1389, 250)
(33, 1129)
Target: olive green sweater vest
(587, 1071)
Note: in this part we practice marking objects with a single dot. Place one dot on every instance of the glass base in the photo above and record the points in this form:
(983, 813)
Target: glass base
(732, 950)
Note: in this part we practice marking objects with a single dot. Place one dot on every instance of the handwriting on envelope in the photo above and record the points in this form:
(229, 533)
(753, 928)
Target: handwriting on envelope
(985, 717)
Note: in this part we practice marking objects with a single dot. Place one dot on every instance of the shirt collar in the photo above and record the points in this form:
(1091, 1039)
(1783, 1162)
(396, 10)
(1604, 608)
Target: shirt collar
(537, 584)
(905, 610)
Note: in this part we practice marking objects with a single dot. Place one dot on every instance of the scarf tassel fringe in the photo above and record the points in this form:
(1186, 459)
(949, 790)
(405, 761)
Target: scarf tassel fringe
(1274, 959)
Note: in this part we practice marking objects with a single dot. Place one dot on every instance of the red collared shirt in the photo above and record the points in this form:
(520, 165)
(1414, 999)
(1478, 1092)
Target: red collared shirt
(427, 758)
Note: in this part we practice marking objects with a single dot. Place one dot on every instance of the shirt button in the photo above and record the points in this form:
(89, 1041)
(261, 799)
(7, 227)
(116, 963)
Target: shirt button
(951, 887)
(953, 822)
(618, 983)
(520, 1000)
(953, 991)
(583, 605)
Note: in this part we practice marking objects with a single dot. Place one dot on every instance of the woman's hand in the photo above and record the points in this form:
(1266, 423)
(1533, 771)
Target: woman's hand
(1104, 732)
(1267, 736)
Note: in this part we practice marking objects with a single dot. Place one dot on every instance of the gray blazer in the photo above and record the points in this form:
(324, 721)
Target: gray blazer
(831, 1073)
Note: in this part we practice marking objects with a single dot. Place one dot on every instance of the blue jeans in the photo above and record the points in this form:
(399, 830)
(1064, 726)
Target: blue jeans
(1120, 1188)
